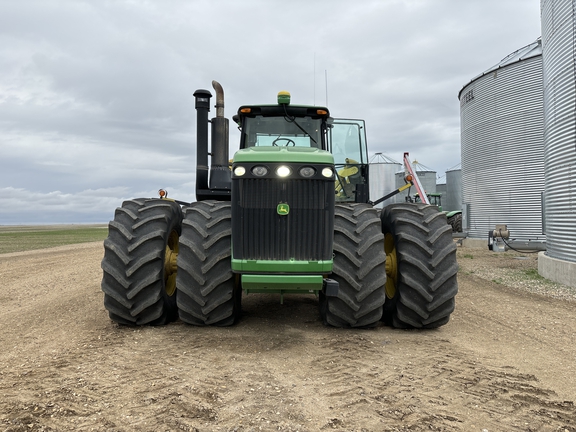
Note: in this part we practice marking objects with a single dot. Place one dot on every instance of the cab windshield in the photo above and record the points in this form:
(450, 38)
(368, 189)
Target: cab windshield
(282, 132)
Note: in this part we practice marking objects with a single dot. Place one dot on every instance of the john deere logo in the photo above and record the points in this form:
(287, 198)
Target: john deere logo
(283, 209)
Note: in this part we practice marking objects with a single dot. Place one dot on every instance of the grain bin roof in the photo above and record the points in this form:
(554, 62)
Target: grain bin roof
(529, 51)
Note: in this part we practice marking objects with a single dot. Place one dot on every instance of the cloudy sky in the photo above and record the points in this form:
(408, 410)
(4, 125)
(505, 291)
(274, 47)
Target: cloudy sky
(96, 97)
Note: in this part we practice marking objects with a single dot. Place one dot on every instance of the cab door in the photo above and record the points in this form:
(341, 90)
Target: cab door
(347, 143)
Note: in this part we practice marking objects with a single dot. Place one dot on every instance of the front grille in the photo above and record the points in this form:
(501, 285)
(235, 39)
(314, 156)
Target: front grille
(260, 233)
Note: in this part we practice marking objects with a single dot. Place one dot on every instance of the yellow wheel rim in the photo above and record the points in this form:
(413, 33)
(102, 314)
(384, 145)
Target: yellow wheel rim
(391, 265)
(170, 265)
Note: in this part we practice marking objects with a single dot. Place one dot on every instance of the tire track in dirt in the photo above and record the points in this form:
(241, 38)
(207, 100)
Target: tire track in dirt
(410, 392)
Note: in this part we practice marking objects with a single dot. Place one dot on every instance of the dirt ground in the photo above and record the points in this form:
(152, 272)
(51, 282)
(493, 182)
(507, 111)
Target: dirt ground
(505, 362)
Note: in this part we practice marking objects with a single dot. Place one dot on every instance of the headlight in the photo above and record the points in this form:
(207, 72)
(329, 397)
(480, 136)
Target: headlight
(327, 172)
(307, 171)
(259, 171)
(239, 171)
(283, 171)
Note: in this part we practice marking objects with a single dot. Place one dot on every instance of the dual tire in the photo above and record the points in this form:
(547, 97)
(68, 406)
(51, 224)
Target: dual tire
(398, 266)
(421, 266)
(144, 284)
(139, 280)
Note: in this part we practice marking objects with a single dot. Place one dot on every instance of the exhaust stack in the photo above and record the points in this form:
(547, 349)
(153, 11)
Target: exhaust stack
(202, 108)
(220, 172)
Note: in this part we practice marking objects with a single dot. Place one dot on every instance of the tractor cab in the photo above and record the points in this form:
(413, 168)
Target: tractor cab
(282, 125)
(434, 199)
(296, 127)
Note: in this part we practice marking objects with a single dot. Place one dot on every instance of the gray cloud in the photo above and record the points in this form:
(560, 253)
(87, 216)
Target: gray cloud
(96, 100)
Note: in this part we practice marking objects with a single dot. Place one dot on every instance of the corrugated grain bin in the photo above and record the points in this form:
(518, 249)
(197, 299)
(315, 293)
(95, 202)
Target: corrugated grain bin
(502, 140)
(452, 199)
(558, 35)
(441, 189)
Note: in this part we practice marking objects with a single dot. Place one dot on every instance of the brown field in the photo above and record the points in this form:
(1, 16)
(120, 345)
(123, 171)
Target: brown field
(505, 362)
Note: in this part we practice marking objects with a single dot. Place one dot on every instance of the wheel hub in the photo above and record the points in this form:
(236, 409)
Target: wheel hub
(391, 265)
(170, 266)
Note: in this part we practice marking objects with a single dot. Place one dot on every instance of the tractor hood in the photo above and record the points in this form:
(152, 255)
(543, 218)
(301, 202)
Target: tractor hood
(284, 154)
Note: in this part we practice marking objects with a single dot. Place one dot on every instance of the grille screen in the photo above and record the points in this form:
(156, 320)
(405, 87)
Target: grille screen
(260, 233)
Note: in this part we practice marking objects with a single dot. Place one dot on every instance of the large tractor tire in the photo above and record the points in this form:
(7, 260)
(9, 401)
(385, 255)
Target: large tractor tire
(456, 222)
(139, 264)
(208, 291)
(421, 266)
(358, 268)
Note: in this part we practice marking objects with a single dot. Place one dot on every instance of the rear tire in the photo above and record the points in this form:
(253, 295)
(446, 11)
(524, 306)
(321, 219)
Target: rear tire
(208, 291)
(421, 266)
(138, 283)
(358, 268)
(456, 222)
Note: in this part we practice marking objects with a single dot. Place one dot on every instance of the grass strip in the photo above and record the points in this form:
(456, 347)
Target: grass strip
(19, 239)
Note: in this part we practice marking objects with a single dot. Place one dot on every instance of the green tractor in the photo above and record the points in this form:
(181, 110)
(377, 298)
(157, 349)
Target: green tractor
(290, 213)
(453, 217)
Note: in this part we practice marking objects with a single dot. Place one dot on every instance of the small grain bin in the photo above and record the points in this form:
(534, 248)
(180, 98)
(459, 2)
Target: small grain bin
(452, 199)
(382, 171)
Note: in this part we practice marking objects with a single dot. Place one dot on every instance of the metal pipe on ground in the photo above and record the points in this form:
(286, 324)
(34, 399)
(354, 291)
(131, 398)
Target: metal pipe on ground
(520, 245)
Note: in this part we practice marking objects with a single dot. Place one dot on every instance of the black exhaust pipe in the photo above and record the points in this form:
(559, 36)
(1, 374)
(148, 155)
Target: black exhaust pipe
(202, 108)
